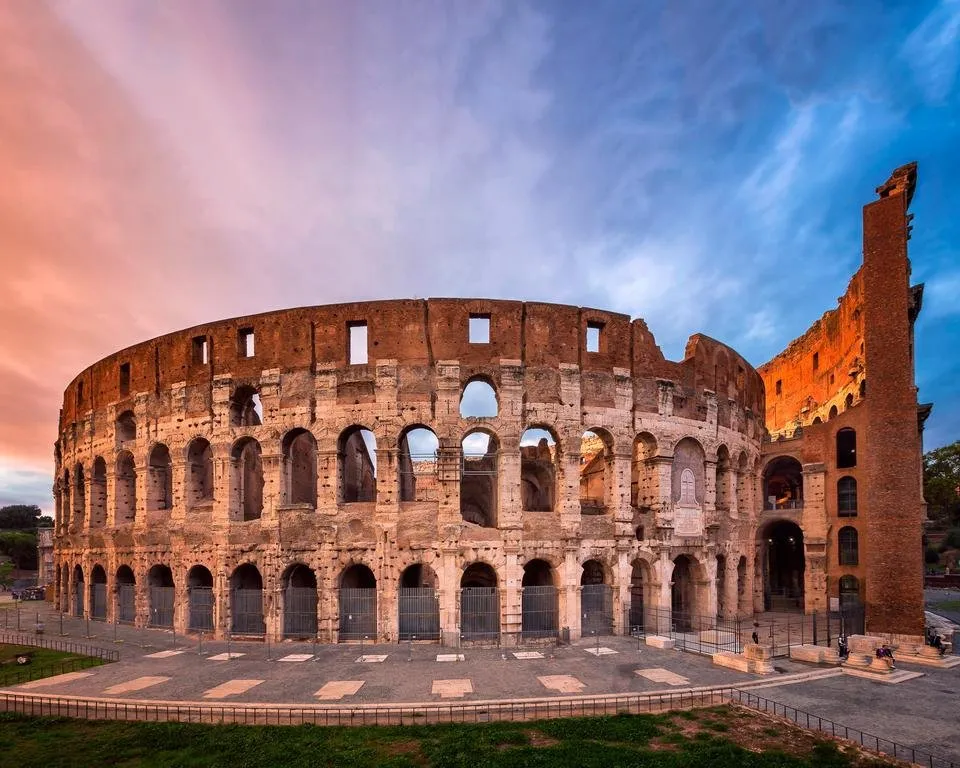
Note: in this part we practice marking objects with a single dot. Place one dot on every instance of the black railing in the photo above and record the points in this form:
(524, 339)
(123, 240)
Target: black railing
(65, 646)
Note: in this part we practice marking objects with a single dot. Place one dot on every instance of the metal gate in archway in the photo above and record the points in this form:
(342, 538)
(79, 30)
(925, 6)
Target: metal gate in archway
(78, 599)
(126, 603)
(358, 613)
(538, 612)
(200, 600)
(161, 606)
(419, 613)
(300, 612)
(246, 611)
(479, 613)
(98, 602)
(596, 609)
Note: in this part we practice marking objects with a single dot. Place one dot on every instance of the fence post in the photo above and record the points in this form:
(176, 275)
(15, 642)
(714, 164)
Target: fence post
(17, 604)
(814, 627)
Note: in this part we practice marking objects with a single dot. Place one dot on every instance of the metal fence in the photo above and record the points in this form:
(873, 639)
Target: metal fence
(300, 612)
(200, 609)
(126, 603)
(706, 634)
(98, 602)
(358, 613)
(596, 609)
(78, 599)
(480, 614)
(18, 675)
(246, 611)
(419, 613)
(39, 641)
(161, 606)
(538, 607)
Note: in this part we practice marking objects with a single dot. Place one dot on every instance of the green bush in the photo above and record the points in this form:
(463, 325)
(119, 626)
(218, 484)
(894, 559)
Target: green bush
(931, 556)
(952, 539)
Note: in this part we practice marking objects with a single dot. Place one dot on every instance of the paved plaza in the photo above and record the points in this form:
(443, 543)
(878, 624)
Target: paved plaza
(156, 666)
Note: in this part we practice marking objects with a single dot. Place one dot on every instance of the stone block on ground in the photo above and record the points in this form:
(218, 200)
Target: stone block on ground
(659, 641)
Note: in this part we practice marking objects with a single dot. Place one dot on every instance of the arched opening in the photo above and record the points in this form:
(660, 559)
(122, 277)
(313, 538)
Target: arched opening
(847, 497)
(849, 591)
(724, 478)
(644, 480)
(125, 428)
(817, 420)
(418, 604)
(200, 599)
(721, 582)
(246, 601)
(846, 448)
(683, 594)
(159, 479)
(851, 606)
(417, 464)
(596, 464)
(126, 595)
(79, 497)
(126, 485)
(247, 480)
(246, 409)
(538, 470)
(833, 413)
(98, 593)
(781, 561)
(299, 602)
(199, 472)
(479, 603)
(538, 600)
(300, 467)
(161, 595)
(357, 449)
(639, 586)
(358, 604)
(783, 484)
(863, 389)
(743, 597)
(98, 493)
(478, 479)
(596, 600)
(848, 545)
(78, 591)
(848, 401)
(66, 507)
(479, 400)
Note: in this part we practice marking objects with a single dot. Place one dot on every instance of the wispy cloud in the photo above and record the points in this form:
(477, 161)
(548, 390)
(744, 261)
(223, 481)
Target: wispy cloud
(932, 50)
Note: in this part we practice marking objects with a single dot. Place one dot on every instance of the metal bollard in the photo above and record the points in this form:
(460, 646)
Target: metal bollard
(315, 657)
(17, 604)
(200, 644)
(228, 647)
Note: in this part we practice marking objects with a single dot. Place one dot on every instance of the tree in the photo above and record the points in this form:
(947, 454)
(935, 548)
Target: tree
(19, 516)
(941, 484)
(6, 572)
(20, 547)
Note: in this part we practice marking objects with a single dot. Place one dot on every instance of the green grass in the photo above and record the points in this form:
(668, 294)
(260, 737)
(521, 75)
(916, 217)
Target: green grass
(43, 663)
(948, 605)
(672, 740)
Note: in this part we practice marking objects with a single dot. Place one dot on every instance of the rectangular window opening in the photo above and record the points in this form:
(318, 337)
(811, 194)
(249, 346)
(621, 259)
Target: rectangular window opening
(593, 336)
(358, 343)
(201, 350)
(79, 393)
(816, 360)
(124, 379)
(479, 329)
(245, 342)
(779, 387)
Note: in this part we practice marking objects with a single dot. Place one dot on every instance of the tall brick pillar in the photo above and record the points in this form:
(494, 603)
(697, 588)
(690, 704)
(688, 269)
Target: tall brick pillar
(891, 448)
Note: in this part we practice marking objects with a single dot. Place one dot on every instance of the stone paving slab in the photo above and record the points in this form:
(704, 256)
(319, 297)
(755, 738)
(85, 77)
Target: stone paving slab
(660, 675)
(337, 689)
(231, 688)
(296, 657)
(452, 689)
(137, 684)
(561, 683)
(47, 682)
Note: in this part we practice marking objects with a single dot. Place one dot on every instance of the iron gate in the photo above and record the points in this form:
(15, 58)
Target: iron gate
(419, 611)
(636, 620)
(246, 611)
(596, 609)
(126, 603)
(200, 600)
(78, 599)
(161, 606)
(299, 612)
(358, 613)
(98, 602)
(479, 613)
(539, 612)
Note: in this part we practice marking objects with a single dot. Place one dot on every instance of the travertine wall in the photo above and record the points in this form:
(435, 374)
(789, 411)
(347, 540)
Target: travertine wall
(419, 361)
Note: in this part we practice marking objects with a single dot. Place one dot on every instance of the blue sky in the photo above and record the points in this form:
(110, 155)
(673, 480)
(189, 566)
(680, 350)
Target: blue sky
(698, 164)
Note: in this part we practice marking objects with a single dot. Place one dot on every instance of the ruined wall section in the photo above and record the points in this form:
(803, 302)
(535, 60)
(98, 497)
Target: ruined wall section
(823, 370)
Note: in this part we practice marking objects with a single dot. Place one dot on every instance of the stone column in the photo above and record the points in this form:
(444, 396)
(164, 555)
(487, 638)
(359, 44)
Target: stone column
(663, 575)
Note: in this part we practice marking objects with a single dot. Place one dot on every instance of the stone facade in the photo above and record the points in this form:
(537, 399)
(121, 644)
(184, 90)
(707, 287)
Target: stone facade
(263, 475)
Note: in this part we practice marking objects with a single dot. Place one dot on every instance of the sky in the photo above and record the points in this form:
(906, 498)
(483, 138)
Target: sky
(700, 164)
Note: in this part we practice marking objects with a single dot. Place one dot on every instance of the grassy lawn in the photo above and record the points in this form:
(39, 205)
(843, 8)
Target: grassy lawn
(43, 663)
(718, 736)
(948, 605)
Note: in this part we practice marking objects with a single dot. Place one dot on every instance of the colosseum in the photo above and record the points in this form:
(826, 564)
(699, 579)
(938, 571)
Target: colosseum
(459, 470)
